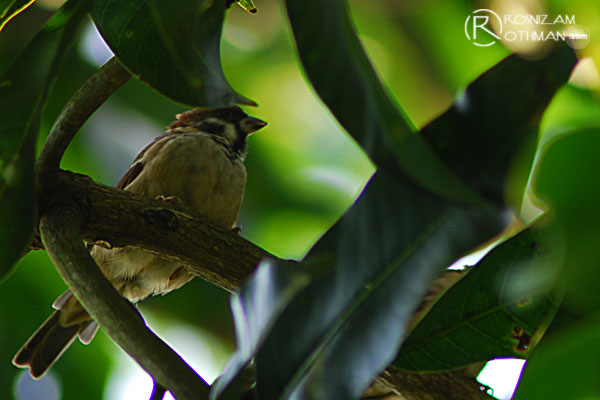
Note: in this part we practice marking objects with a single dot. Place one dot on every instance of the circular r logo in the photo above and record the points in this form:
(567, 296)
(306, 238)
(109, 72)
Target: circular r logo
(478, 22)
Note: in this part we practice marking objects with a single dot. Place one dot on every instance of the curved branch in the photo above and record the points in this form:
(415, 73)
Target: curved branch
(60, 229)
(80, 107)
(60, 225)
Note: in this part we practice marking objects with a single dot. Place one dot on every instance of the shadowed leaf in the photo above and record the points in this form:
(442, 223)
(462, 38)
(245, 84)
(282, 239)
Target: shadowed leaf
(172, 46)
(24, 87)
(494, 124)
(376, 263)
(348, 324)
(255, 308)
(501, 308)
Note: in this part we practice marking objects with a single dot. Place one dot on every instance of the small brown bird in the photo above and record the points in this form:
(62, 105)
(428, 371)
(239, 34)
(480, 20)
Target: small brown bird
(197, 162)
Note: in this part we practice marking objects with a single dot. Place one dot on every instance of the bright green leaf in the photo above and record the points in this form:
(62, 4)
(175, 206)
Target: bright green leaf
(501, 308)
(11, 8)
(173, 46)
(572, 106)
(247, 5)
(24, 87)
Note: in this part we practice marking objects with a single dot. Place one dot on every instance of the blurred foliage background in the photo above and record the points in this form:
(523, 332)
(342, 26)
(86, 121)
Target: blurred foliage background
(304, 171)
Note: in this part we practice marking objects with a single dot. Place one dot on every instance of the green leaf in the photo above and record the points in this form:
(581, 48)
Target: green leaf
(24, 87)
(501, 308)
(342, 75)
(348, 324)
(567, 181)
(247, 5)
(255, 308)
(491, 130)
(571, 107)
(11, 8)
(17, 202)
(173, 46)
(565, 367)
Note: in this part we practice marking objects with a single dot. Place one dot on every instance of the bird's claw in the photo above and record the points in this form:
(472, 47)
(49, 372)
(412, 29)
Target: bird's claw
(170, 199)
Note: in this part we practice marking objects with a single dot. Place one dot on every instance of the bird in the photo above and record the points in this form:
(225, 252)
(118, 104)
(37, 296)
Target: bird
(199, 164)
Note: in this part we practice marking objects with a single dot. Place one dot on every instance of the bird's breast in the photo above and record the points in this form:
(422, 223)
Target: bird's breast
(200, 172)
(206, 178)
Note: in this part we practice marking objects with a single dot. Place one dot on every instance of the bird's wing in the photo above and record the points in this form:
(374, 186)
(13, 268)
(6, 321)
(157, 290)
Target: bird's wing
(138, 164)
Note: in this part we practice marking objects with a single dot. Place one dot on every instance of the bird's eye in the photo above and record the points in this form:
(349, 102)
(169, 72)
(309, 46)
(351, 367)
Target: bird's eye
(211, 127)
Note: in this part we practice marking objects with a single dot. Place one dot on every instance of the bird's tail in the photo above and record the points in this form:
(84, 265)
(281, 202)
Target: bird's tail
(55, 335)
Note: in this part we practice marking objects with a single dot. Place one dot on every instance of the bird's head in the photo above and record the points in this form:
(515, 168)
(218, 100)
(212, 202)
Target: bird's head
(230, 123)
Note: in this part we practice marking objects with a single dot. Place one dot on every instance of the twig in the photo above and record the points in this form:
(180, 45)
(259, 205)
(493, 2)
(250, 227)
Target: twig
(437, 386)
(80, 107)
(60, 229)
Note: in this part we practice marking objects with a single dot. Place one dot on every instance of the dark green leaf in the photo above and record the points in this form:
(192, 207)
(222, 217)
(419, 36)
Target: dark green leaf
(23, 91)
(495, 122)
(11, 8)
(501, 308)
(344, 78)
(17, 202)
(255, 309)
(173, 46)
(348, 324)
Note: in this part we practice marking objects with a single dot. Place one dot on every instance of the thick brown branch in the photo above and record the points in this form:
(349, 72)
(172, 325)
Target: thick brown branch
(61, 232)
(118, 218)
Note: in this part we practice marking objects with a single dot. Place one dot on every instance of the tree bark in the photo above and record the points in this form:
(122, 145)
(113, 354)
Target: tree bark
(219, 256)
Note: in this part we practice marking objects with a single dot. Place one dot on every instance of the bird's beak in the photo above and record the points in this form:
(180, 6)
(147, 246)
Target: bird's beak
(251, 124)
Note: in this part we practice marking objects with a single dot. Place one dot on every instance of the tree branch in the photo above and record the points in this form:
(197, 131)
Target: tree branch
(61, 232)
(80, 107)
(60, 225)
(439, 386)
(217, 255)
